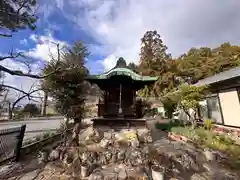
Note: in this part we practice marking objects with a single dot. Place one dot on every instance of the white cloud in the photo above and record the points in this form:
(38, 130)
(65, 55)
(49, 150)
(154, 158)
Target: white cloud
(45, 47)
(119, 25)
(33, 37)
(23, 41)
(23, 83)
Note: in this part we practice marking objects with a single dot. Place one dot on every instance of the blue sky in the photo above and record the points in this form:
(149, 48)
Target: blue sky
(56, 28)
(113, 28)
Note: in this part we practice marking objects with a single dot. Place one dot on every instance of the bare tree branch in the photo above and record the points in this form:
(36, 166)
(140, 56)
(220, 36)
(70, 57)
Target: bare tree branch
(50, 53)
(11, 55)
(19, 90)
(20, 73)
(5, 96)
(27, 64)
(35, 76)
(22, 6)
(28, 95)
(5, 35)
(21, 97)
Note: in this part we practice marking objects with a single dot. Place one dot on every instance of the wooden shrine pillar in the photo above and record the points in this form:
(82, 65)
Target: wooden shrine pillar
(120, 110)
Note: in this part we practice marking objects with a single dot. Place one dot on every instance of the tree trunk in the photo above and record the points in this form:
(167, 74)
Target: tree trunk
(44, 103)
(77, 120)
(194, 123)
(191, 119)
(65, 131)
(10, 112)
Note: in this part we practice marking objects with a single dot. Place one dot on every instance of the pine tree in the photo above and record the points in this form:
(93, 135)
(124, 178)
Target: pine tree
(67, 86)
(16, 15)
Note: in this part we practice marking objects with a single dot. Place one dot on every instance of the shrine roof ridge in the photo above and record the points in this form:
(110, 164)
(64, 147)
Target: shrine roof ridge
(125, 72)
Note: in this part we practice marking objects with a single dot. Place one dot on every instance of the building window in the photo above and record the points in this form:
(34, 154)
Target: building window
(214, 110)
(210, 109)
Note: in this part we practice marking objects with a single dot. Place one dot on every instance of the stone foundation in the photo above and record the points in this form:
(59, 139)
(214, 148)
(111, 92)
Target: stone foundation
(106, 152)
(111, 154)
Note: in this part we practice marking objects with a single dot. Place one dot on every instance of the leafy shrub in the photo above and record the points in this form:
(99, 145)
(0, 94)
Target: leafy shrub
(221, 142)
(130, 136)
(225, 139)
(212, 140)
(170, 106)
(187, 132)
(146, 106)
(216, 144)
(203, 134)
(208, 124)
(32, 109)
(18, 114)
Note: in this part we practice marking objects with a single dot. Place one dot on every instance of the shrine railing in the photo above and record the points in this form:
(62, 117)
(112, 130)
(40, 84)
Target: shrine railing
(11, 143)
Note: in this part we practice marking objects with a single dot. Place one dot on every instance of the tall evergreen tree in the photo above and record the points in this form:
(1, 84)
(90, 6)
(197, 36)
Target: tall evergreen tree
(67, 86)
(153, 54)
(132, 66)
(154, 60)
(16, 15)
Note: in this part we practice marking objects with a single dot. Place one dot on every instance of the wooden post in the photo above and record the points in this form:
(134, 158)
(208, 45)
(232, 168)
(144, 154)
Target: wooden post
(106, 99)
(134, 102)
(44, 103)
(19, 143)
(99, 108)
(120, 99)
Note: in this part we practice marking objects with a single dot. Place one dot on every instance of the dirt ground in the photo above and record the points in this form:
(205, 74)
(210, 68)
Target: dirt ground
(29, 168)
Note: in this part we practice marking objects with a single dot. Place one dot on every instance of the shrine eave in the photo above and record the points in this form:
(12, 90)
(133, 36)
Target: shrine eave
(122, 72)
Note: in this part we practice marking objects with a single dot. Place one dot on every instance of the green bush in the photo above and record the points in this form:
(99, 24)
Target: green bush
(225, 139)
(203, 134)
(146, 106)
(187, 132)
(208, 124)
(169, 107)
(210, 139)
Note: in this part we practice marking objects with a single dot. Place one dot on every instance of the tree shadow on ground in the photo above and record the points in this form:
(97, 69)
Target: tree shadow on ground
(26, 165)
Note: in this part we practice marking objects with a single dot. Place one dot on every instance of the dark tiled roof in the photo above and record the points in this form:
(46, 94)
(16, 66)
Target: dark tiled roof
(223, 76)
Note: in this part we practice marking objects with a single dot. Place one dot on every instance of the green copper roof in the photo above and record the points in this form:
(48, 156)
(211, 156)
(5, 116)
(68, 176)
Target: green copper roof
(121, 69)
(124, 72)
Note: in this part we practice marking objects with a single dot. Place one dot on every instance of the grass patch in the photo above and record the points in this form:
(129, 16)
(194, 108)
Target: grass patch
(204, 137)
(209, 139)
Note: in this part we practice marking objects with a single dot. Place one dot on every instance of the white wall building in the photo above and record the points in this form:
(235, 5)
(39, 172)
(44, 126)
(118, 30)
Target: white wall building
(223, 104)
